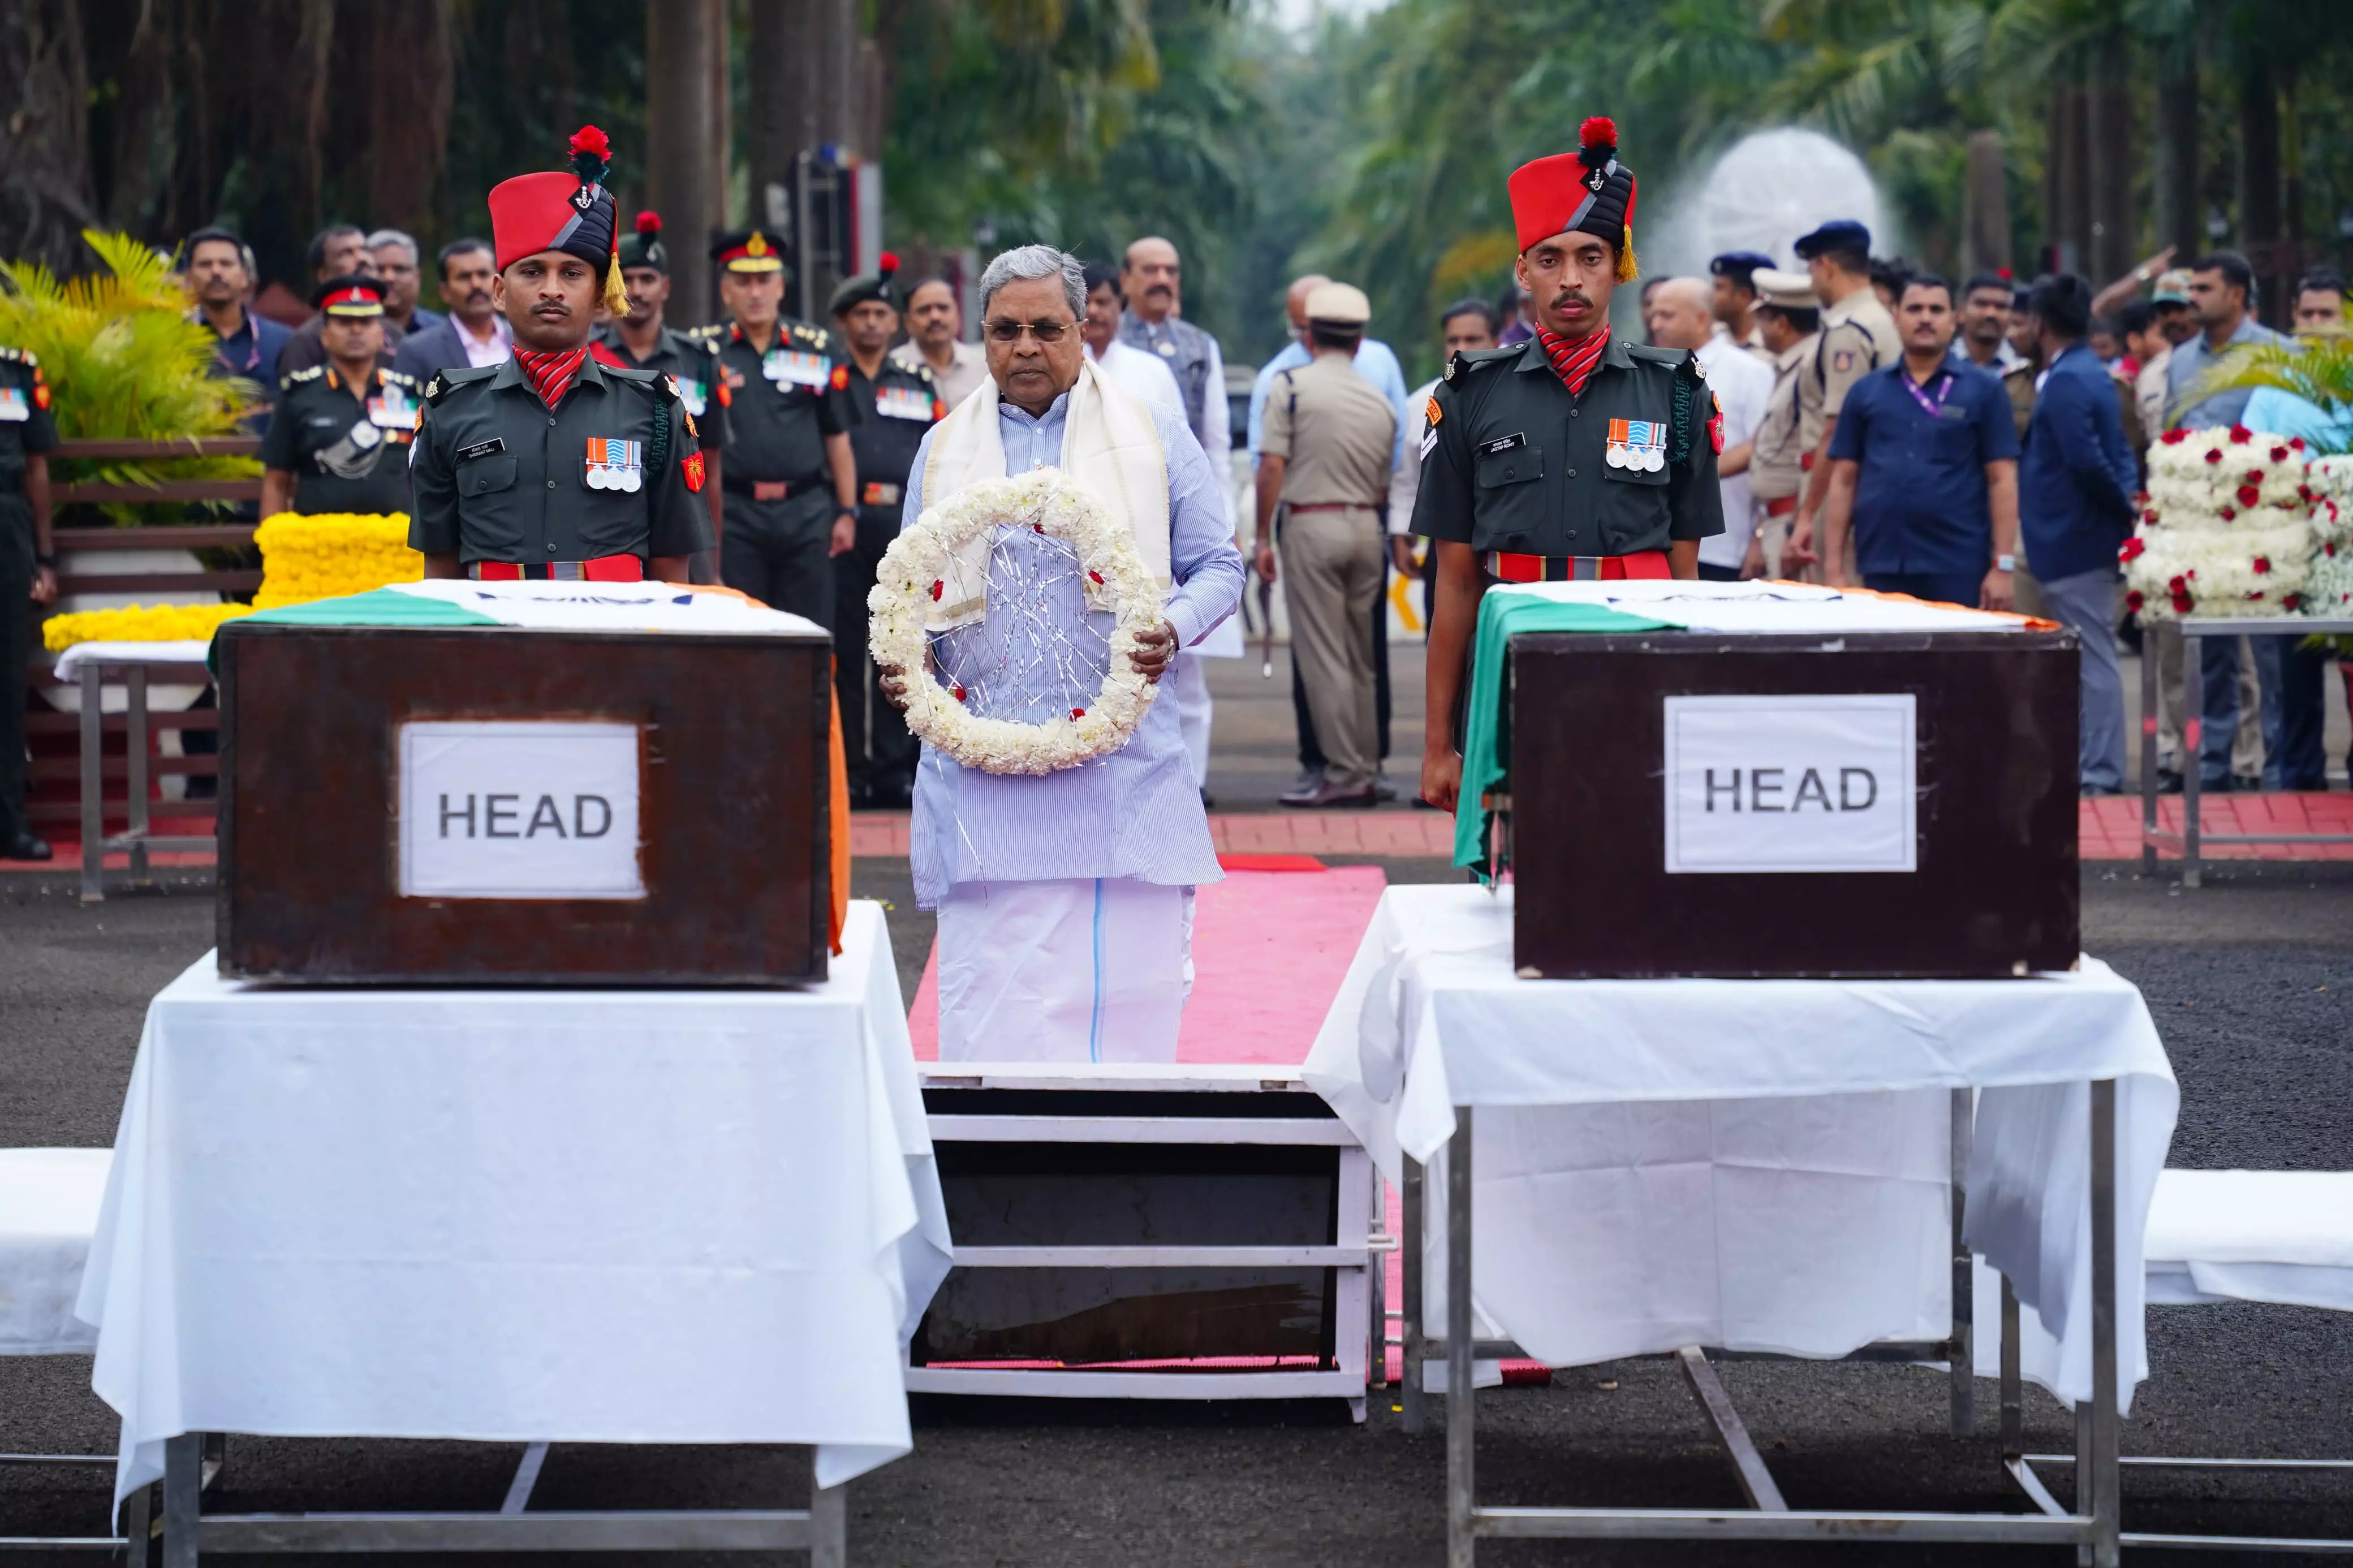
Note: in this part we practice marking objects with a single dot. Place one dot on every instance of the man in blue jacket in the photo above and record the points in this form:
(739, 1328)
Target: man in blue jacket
(2075, 485)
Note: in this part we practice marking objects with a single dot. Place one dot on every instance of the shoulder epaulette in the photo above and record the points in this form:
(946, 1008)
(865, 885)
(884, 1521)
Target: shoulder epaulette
(398, 377)
(288, 382)
(18, 356)
(646, 380)
(445, 382)
(708, 334)
(1465, 360)
(1646, 354)
(816, 337)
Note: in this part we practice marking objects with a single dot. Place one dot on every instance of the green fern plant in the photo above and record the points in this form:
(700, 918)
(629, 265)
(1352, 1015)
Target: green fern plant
(123, 363)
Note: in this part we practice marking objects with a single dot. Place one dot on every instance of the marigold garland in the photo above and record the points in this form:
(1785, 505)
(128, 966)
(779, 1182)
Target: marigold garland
(139, 623)
(326, 555)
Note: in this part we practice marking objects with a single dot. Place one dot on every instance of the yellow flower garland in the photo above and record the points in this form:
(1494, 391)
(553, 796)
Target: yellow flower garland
(325, 556)
(328, 554)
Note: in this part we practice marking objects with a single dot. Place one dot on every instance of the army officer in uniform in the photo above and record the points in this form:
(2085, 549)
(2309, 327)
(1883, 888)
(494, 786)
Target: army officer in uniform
(339, 438)
(791, 495)
(1517, 485)
(896, 404)
(641, 340)
(552, 465)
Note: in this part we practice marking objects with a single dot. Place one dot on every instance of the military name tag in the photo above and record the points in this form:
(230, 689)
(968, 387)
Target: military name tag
(903, 402)
(793, 367)
(489, 448)
(1639, 445)
(615, 465)
(14, 408)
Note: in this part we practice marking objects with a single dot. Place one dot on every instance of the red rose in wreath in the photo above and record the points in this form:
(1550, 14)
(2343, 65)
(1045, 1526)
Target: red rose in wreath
(2132, 548)
(2174, 437)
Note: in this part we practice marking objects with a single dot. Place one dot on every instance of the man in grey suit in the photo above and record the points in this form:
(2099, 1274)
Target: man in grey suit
(475, 333)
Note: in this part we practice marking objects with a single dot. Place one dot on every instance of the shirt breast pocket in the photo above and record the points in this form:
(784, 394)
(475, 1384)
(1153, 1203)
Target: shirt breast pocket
(490, 521)
(1511, 497)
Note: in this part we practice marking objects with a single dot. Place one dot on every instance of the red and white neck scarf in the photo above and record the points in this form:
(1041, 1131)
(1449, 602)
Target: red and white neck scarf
(1573, 359)
(551, 374)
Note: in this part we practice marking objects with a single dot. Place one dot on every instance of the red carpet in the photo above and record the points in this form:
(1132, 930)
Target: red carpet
(1269, 947)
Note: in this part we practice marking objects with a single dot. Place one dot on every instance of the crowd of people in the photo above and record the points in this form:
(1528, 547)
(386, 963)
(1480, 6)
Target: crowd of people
(1980, 443)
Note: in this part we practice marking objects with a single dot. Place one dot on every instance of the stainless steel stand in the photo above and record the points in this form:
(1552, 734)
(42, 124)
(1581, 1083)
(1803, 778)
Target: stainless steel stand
(2092, 1527)
(821, 1530)
(135, 836)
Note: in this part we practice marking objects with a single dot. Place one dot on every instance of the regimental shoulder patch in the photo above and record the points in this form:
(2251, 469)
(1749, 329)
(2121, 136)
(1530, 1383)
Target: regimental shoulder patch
(1431, 412)
(1843, 361)
(726, 392)
(691, 466)
(840, 379)
(1716, 423)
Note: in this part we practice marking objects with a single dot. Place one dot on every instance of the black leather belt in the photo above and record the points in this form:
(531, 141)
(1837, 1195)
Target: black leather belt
(771, 489)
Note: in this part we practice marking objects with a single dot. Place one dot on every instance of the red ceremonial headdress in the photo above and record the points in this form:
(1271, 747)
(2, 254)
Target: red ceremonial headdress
(1587, 191)
(571, 212)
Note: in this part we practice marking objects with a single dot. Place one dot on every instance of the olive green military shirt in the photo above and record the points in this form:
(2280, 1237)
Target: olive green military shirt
(1514, 461)
(785, 399)
(497, 477)
(347, 449)
(25, 428)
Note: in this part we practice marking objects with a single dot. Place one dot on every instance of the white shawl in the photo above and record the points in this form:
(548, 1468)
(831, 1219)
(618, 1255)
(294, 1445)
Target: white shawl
(1109, 445)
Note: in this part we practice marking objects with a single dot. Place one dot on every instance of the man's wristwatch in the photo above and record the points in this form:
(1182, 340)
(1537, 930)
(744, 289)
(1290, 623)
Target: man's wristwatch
(849, 511)
(2005, 563)
(48, 560)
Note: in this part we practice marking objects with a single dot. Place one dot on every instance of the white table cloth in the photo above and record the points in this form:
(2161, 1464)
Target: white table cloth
(631, 1217)
(1753, 1164)
(48, 1207)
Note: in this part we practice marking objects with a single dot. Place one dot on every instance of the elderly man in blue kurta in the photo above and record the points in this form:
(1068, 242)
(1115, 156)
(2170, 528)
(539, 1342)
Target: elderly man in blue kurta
(1065, 900)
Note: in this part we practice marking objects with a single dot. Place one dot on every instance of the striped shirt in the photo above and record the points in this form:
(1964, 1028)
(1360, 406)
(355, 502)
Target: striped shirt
(1135, 812)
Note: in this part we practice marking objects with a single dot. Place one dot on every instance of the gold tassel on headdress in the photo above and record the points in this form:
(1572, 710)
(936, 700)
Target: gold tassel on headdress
(1626, 265)
(616, 298)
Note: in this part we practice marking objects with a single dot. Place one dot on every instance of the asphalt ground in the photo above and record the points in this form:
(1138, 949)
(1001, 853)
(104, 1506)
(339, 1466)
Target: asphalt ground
(2249, 981)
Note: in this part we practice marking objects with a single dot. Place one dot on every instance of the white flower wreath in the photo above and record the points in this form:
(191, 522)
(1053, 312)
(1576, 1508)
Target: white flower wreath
(914, 575)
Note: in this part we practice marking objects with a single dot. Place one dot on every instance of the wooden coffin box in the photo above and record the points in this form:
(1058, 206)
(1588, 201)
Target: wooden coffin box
(494, 806)
(1690, 803)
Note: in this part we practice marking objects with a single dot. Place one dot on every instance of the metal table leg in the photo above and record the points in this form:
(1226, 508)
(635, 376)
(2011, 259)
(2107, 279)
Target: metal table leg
(2149, 658)
(1411, 1245)
(2193, 748)
(1461, 1545)
(829, 1523)
(135, 680)
(93, 783)
(1964, 1330)
(183, 1459)
(2106, 1476)
(1376, 1287)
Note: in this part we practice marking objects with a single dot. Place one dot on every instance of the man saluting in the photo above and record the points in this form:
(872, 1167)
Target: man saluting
(1517, 484)
(552, 465)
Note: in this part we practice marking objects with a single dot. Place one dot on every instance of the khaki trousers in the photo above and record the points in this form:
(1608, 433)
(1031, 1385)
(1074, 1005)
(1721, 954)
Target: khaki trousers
(1332, 585)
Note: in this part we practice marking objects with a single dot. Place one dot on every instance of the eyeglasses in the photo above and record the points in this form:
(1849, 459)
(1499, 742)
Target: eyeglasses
(1046, 332)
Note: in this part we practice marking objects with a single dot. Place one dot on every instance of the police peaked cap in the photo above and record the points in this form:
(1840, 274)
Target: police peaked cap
(1839, 234)
(875, 285)
(1584, 192)
(1739, 265)
(643, 247)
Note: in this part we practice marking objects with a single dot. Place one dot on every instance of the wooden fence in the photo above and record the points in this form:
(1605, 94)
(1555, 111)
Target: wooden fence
(54, 792)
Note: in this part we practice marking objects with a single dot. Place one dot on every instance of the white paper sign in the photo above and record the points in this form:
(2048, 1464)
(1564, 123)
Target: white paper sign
(1789, 784)
(519, 809)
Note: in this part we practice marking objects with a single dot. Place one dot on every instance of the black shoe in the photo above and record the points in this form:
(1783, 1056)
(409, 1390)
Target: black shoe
(25, 846)
(890, 794)
(2168, 782)
(2091, 792)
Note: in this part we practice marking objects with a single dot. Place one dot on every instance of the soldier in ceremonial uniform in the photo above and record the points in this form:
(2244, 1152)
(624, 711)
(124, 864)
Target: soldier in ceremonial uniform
(897, 403)
(28, 576)
(1517, 486)
(791, 490)
(642, 341)
(552, 465)
(339, 439)
(1789, 318)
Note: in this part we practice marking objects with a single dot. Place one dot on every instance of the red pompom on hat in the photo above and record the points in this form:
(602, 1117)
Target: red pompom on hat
(1585, 192)
(889, 265)
(649, 222)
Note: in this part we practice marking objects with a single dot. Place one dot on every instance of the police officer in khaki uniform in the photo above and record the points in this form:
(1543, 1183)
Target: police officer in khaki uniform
(339, 438)
(1789, 321)
(897, 403)
(1517, 484)
(1858, 337)
(552, 465)
(791, 490)
(28, 576)
(641, 340)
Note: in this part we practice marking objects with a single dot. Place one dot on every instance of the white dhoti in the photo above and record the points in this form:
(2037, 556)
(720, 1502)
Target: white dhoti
(1071, 971)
